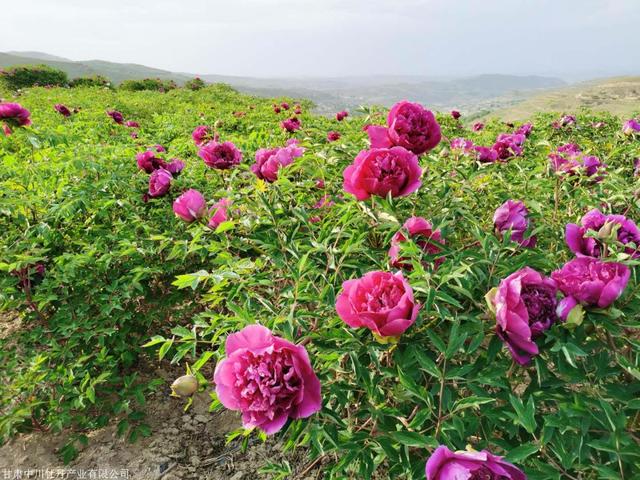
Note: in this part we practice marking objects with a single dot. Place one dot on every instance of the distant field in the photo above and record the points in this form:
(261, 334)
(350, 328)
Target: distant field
(620, 96)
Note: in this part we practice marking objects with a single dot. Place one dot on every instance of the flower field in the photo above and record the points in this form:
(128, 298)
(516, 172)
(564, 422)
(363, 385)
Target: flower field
(401, 294)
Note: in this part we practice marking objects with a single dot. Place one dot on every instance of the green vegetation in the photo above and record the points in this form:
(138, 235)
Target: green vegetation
(23, 76)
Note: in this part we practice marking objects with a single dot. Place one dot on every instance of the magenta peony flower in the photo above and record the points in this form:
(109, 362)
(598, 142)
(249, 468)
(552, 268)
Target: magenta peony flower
(159, 182)
(568, 159)
(15, 115)
(29, 276)
(116, 116)
(444, 464)
(525, 129)
(221, 156)
(148, 161)
(201, 135)
(568, 120)
(592, 282)
(626, 230)
(297, 109)
(509, 145)
(630, 127)
(219, 213)
(477, 127)
(267, 378)
(174, 167)
(485, 154)
(133, 134)
(421, 232)
(455, 114)
(342, 115)
(285, 105)
(291, 124)
(462, 145)
(380, 301)
(159, 148)
(333, 136)
(132, 124)
(190, 206)
(380, 171)
(62, 110)
(525, 306)
(325, 201)
(410, 125)
(270, 160)
(512, 216)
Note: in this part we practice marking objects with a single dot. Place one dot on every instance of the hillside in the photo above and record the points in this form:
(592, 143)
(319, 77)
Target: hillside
(619, 95)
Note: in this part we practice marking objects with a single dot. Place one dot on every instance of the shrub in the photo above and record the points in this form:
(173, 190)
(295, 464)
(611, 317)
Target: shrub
(23, 76)
(195, 84)
(154, 84)
(92, 81)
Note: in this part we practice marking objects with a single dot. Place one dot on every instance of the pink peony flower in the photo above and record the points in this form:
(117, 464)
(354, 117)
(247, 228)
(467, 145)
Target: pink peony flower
(159, 148)
(159, 182)
(133, 134)
(477, 127)
(116, 116)
(444, 464)
(62, 110)
(219, 213)
(568, 120)
(462, 145)
(512, 216)
(277, 109)
(626, 232)
(270, 160)
(267, 378)
(190, 206)
(631, 126)
(174, 167)
(291, 124)
(525, 129)
(202, 134)
(525, 306)
(325, 201)
(132, 124)
(485, 154)
(409, 125)
(221, 156)
(380, 301)
(509, 145)
(380, 171)
(333, 136)
(421, 232)
(148, 161)
(455, 114)
(285, 105)
(297, 109)
(568, 159)
(15, 115)
(319, 183)
(342, 115)
(592, 282)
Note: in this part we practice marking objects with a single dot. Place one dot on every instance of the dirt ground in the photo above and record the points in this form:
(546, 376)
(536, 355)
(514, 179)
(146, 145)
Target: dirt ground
(183, 445)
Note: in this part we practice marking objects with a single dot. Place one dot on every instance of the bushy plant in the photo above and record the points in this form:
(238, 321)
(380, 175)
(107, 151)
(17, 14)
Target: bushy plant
(153, 84)
(195, 84)
(121, 270)
(23, 76)
(91, 81)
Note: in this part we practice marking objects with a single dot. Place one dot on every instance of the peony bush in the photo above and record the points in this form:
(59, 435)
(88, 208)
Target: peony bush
(399, 295)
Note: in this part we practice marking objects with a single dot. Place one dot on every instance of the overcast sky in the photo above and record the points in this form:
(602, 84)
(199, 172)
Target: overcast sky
(568, 38)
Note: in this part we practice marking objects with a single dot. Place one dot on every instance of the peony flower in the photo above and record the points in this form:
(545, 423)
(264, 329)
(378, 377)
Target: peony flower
(509, 145)
(221, 156)
(174, 167)
(626, 232)
(444, 464)
(525, 306)
(333, 136)
(267, 378)
(159, 182)
(270, 160)
(630, 127)
(421, 232)
(276, 108)
(132, 124)
(380, 171)
(342, 115)
(15, 115)
(409, 125)
(592, 282)
(568, 120)
(485, 154)
(462, 145)
(477, 127)
(62, 110)
(291, 124)
(29, 276)
(568, 159)
(190, 206)
(159, 148)
(325, 201)
(525, 129)
(219, 213)
(380, 301)
(116, 116)
(455, 114)
(285, 105)
(512, 216)
(297, 109)
(202, 134)
(148, 161)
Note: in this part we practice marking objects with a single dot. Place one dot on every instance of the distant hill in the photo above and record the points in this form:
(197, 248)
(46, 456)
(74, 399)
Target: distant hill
(620, 96)
(117, 72)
